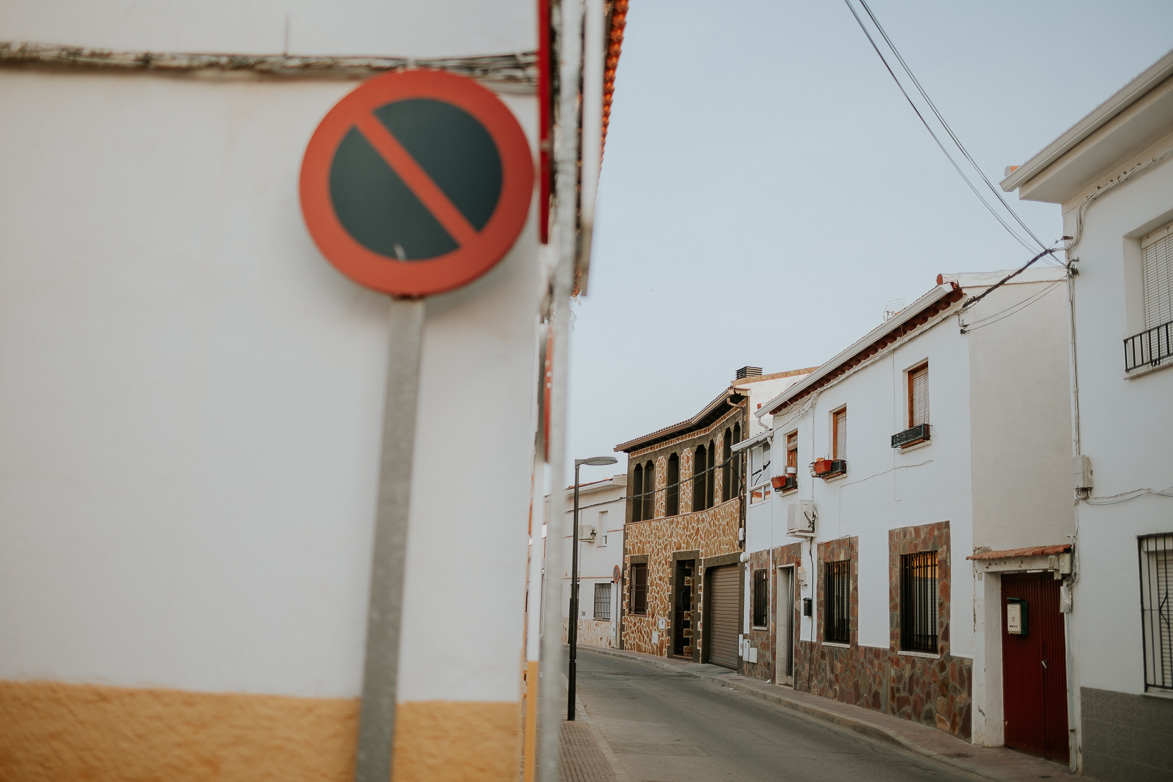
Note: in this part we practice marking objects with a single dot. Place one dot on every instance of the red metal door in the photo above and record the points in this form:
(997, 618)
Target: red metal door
(1034, 668)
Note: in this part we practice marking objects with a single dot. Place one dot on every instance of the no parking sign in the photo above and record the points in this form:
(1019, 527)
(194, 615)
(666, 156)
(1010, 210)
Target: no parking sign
(417, 182)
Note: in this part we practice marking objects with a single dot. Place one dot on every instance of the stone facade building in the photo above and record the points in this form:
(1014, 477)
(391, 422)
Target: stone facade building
(684, 527)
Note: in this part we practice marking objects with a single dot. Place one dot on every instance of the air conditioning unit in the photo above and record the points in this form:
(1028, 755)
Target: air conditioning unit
(586, 532)
(800, 520)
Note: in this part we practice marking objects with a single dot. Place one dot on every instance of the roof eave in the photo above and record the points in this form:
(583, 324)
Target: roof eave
(908, 314)
(1125, 97)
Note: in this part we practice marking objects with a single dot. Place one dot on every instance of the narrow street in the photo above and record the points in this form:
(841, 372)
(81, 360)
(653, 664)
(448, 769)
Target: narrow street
(665, 726)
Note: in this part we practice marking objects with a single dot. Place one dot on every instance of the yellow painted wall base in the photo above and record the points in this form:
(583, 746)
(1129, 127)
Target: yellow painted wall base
(55, 731)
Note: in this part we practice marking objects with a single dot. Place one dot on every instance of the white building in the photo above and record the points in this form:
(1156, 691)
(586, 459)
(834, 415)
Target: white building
(1113, 177)
(600, 560)
(860, 584)
(192, 398)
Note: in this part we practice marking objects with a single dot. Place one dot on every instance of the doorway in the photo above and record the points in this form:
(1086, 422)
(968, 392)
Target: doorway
(682, 624)
(784, 626)
(1034, 665)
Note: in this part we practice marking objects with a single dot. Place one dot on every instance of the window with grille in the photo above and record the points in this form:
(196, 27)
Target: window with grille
(918, 602)
(918, 395)
(839, 434)
(1156, 606)
(1156, 251)
(673, 489)
(837, 602)
(761, 597)
(603, 601)
(638, 584)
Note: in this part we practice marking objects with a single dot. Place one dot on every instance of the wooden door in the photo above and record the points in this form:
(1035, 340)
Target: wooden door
(1034, 667)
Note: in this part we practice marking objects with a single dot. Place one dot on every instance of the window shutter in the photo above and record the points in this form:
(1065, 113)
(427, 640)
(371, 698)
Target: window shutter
(1157, 260)
(792, 449)
(840, 445)
(918, 396)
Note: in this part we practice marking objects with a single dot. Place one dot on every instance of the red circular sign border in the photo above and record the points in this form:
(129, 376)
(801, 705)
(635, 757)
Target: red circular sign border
(453, 269)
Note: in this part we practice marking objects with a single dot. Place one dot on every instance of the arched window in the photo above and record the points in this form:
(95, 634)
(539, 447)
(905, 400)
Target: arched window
(699, 471)
(649, 490)
(672, 494)
(637, 490)
(727, 466)
(738, 463)
(711, 476)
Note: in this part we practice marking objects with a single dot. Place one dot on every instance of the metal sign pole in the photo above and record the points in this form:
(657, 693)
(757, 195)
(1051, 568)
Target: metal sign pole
(376, 728)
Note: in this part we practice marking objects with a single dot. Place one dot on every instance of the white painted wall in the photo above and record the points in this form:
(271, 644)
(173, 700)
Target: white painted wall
(1019, 372)
(601, 505)
(1125, 424)
(301, 27)
(1021, 415)
(884, 488)
(190, 414)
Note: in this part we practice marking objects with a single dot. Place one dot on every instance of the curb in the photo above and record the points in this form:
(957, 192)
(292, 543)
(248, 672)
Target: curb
(823, 715)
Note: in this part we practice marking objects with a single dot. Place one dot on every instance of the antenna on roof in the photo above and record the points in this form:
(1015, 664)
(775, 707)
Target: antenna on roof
(892, 308)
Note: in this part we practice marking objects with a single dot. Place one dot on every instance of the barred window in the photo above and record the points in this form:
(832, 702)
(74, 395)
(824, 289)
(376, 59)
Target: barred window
(761, 597)
(603, 600)
(639, 589)
(918, 602)
(1156, 597)
(837, 602)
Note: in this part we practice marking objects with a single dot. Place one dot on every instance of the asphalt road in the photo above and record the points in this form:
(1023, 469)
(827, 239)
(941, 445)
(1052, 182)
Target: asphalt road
(665, 726)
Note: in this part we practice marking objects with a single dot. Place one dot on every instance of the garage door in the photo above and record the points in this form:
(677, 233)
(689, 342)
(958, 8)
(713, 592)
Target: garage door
(721, 623)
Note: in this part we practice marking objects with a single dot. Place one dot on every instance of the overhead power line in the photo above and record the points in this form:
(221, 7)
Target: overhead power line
(953, 136)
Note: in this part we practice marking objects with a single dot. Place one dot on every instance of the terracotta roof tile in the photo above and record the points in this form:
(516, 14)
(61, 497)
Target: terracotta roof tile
(1015, 553)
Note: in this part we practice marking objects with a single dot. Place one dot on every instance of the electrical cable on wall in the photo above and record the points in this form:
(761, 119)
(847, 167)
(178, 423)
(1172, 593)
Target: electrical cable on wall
(1013, 310)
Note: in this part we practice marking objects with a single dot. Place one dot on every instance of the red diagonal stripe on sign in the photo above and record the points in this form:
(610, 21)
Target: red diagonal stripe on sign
(416, 179)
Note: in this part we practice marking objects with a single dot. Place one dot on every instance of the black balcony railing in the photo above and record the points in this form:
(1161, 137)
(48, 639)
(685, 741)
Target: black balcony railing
(1149, 348)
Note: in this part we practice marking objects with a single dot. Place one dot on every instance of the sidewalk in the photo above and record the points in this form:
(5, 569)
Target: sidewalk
(581, 763)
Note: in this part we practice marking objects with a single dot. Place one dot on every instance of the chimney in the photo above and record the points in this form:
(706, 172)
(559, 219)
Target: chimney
(745, 372)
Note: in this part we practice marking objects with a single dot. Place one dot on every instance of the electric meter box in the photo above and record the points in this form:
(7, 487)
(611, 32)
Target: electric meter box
(1016, 616)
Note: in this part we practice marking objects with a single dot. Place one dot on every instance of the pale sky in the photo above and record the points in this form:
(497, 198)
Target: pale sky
(766, 189)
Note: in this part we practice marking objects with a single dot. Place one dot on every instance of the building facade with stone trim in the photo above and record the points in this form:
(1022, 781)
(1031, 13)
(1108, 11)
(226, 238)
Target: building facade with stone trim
(684, 527)
(857, 583)
(1112, 176)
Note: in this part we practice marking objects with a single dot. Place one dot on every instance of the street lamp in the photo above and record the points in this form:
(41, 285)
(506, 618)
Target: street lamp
(572, 632)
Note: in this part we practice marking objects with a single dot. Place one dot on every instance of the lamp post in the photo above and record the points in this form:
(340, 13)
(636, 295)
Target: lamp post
(572, 628)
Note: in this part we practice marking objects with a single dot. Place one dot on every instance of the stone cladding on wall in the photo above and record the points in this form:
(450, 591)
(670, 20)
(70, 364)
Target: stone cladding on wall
(710, 533)
(764, 640)
(934, 690)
